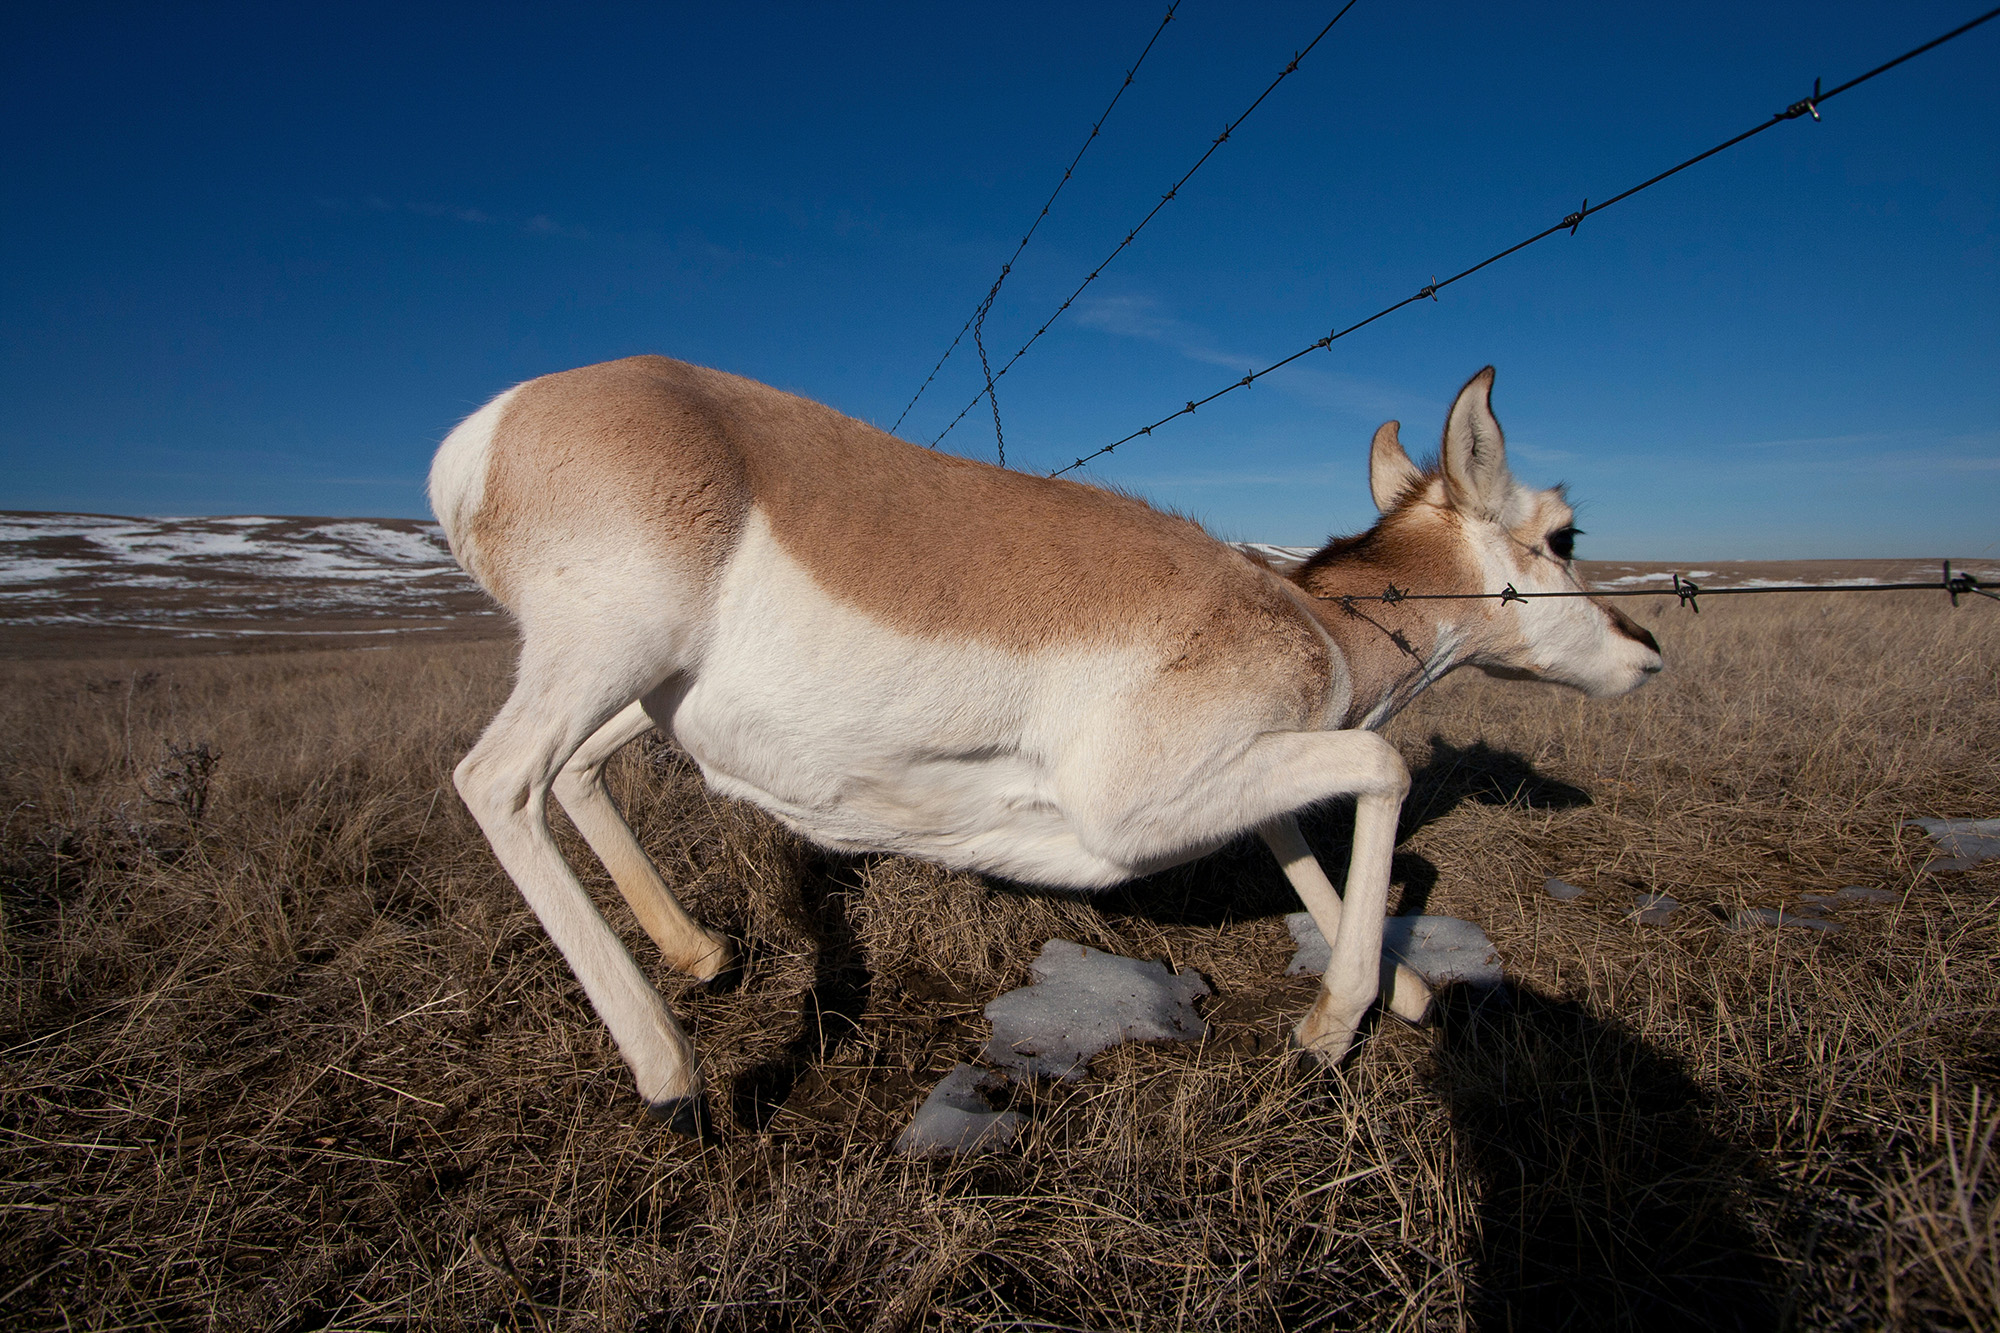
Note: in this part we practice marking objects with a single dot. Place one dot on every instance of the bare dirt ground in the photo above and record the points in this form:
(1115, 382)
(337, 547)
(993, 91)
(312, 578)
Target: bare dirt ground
(283, 1047)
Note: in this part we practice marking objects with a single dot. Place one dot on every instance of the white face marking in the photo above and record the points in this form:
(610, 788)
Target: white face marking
(1566, 640)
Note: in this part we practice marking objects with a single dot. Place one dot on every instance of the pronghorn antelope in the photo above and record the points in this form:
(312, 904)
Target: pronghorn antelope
(898, 650)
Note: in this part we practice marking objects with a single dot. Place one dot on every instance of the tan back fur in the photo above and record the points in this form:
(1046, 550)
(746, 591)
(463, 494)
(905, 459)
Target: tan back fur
(923, 542)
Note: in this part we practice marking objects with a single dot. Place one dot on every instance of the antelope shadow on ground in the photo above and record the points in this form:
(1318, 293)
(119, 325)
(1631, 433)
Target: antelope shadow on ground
(1604, 1199)
(831, 1009)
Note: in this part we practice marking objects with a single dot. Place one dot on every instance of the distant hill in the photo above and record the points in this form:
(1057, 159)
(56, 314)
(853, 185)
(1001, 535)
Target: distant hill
(221, 582)
(99, 583)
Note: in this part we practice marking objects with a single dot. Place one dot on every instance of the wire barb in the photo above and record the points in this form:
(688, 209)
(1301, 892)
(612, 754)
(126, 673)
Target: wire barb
(1810, 106)
(1959, 585)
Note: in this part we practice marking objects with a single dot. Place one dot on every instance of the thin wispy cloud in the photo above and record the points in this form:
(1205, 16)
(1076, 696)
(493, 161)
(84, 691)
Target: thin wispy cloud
(1143, 318)
(1822, 441)
(1538, 453)
(1905, 451)
(541, 224)
(1928, 461)
(1314, 476)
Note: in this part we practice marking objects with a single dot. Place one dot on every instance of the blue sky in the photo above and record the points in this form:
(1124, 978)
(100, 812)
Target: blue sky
(261, 261)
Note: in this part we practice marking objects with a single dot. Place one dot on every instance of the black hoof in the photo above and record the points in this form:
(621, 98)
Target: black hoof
(729, 978)
(686, 1116)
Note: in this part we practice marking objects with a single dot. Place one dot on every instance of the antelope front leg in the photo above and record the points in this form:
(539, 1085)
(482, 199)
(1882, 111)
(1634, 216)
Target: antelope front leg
(1353, 971)
(1276, 773)
(1405, 994)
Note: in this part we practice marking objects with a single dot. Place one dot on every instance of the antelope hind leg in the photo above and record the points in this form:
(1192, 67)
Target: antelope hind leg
(686, 946)
(505, 782)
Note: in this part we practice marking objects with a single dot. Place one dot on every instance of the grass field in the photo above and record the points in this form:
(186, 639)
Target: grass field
(284, 1048)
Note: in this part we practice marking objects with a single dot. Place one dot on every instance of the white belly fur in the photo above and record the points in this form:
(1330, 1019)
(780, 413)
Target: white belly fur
(867, 739)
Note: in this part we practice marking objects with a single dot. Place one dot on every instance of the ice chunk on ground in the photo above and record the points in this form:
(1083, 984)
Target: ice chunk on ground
(1859, 893)
(1964, 842)
(1310, 958)
(956, 1121)
(1084, 1001)
(1440, 949)
(1772, 916)
(1562, 889)
(1653, 909)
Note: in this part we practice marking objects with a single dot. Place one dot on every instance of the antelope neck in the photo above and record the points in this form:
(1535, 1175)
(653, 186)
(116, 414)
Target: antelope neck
(1393, 651)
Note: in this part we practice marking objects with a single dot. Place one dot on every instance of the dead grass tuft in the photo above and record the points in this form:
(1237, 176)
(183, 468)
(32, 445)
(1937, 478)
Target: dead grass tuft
(284, 1049)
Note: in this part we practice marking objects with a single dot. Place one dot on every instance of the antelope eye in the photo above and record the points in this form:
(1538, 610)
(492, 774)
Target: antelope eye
(1562, 542)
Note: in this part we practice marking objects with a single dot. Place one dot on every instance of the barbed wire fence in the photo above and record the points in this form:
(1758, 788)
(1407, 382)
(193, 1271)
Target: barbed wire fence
(1686, 590)
(1173, 191)
(1806, 106)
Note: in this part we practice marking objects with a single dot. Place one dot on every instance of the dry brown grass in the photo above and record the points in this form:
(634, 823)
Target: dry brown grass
(283, 1048)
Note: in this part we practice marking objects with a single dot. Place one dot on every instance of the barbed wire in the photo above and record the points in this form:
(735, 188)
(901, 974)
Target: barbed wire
(979, 316)
(1165, 199)
(1686, 590)
(1803, 107)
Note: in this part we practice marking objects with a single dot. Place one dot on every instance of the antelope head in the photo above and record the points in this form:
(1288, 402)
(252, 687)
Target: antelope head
(1478, 526)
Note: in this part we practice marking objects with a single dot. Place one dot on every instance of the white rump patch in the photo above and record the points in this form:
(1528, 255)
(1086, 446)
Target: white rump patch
(458, 477)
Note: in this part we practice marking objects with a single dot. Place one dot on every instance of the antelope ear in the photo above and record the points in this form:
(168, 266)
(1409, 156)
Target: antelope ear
(1391, 474)
(1475, 453)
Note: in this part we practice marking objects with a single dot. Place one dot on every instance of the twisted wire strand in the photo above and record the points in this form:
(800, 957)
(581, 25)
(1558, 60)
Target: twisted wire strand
(1165, 199)
(979, 314)
(1686, 590)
